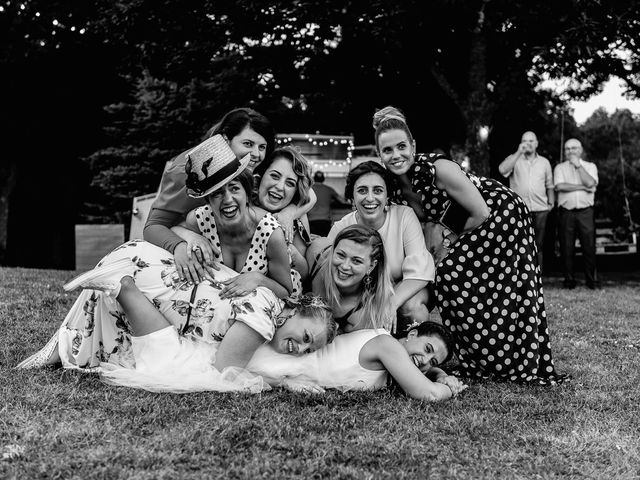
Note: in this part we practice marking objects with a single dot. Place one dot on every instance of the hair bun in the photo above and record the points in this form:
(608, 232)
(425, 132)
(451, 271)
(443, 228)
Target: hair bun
(387, 113)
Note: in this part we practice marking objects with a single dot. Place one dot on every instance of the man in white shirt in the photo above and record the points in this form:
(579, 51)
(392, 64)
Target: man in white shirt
(530, 177)
(575, 181)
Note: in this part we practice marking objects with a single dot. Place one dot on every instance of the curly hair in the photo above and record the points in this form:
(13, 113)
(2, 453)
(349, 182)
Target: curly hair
(300, 166)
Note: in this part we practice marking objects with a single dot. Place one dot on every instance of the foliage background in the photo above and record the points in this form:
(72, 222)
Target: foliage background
(99, 94)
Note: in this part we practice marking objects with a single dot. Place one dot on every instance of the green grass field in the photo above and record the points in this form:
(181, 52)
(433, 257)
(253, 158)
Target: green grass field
(62, 424)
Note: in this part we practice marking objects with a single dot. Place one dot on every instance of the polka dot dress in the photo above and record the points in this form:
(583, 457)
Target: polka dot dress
(257, 258)
(488, 287)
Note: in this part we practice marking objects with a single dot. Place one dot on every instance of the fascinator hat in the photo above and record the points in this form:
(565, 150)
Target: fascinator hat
(210, 165)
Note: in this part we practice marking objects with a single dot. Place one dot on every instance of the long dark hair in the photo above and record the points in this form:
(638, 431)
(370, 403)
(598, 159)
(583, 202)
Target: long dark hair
(362, 169)
(433, 328)
(236, 120)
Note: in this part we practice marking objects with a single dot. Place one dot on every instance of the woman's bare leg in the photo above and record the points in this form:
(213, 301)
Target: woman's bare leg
(143, 317)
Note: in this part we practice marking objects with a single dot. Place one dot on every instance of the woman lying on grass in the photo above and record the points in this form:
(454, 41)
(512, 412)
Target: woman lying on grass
(164, 361)
(367, 360)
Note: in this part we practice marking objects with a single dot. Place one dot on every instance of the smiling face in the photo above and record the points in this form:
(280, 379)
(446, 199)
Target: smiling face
(229, 203)
(426, 351)
(300, 335)
(278, 185)
(249, 141)
(350, 262)
(396, 151)
(370, 198)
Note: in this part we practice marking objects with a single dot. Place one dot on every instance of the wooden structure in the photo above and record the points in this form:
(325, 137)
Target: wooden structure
(94, 241)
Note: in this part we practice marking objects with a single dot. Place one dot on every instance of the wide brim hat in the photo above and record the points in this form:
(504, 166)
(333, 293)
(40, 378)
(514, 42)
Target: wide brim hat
(210, 165)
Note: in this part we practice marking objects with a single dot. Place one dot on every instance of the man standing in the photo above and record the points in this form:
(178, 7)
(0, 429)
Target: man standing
(530, 177)
(575, 181)
(320, 215)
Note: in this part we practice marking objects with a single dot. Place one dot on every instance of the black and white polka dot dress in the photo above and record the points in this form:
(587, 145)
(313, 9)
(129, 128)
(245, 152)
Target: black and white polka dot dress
(488, 287)
(257, 258)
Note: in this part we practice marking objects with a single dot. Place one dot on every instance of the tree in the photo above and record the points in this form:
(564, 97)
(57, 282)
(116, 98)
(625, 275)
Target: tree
(612, 142)
(53, 71)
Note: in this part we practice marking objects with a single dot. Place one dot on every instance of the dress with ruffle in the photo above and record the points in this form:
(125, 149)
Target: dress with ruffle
(488, 287)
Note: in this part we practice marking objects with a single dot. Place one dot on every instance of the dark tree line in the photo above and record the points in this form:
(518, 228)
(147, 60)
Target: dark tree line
(100, 94)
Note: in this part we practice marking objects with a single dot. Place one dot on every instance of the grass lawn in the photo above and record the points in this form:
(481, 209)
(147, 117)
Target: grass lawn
(62, 424)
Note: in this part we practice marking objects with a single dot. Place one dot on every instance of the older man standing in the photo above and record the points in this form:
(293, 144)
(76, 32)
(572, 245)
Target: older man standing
(530, 177)
(576, 181)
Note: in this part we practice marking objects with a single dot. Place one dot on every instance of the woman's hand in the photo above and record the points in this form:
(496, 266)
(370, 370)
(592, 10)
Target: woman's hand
(195, 257)
(285, 219)
(439, 240)
(188, 265)
(300, 386)
(241, 285)
(454, 383)
(451, 178)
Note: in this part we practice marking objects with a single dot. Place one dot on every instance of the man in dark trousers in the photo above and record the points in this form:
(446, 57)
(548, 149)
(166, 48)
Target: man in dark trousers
(320, 215)
(575, 181)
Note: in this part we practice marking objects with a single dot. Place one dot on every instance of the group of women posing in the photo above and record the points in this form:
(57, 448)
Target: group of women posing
(214, 298)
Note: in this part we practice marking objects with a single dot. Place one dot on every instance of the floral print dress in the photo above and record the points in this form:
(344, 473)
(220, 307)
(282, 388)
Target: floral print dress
(488, 287)
(96, 330)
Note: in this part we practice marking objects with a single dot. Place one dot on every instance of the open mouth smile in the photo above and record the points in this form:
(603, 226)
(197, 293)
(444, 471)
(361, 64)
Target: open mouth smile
(370, 207)
(397, 163)
(342, 275)
(416, 362)
(229, 212)
(275, 197)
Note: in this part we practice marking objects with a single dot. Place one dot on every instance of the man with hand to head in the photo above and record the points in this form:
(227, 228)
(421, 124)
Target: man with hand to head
(530, 177)
(575, 181)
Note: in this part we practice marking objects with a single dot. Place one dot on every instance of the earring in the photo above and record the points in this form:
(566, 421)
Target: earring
(367, 281)
(386, 207)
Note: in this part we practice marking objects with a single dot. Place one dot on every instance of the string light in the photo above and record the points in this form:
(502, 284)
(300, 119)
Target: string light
(338, 167)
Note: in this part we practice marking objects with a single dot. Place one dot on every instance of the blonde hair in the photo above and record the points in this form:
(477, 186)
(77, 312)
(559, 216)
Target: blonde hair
(312, 306)
(390, 118)
(300, 167)
(376, 303)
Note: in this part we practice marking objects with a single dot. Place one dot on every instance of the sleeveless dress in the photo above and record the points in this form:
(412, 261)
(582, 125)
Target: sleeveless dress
(488, 287)
(257, 258)
(96, 332)
(335, 365)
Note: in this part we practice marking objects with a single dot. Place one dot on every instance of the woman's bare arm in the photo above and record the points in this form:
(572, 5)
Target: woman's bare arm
(394, 358)
(451, 178)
